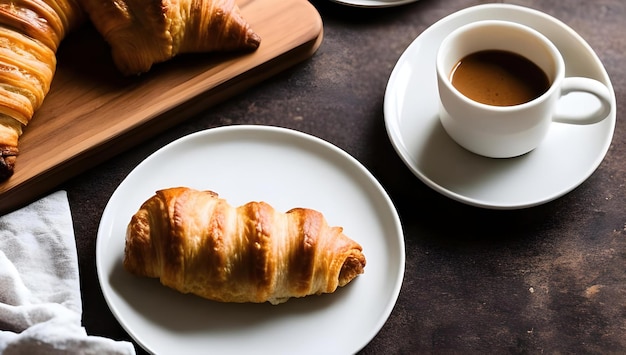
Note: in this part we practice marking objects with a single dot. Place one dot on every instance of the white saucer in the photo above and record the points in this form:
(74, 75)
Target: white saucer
(374, 3)
(287, 169)
(568, 156)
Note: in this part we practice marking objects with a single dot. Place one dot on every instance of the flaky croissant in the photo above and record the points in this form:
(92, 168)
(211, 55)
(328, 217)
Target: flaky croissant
(145, 32)
(195, 242)
(30, 34)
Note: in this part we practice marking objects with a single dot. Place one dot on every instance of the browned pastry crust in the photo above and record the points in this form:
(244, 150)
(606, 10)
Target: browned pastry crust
(145, 32)
(140, 32)
(195, 242)
(30, 34)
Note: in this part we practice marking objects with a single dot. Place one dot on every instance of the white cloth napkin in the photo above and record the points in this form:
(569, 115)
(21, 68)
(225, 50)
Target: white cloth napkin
(40, 300)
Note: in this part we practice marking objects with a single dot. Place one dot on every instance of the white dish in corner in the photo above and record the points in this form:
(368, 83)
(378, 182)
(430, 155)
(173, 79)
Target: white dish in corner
(286, 169)
(568, 156)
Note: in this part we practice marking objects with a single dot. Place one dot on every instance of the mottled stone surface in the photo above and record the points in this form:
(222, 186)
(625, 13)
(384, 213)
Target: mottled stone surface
(549, 279)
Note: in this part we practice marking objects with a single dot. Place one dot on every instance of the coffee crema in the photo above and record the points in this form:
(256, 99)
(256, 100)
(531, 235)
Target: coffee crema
(499, 78)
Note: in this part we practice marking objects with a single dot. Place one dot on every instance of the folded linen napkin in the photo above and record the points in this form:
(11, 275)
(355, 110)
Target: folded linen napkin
(40, 301)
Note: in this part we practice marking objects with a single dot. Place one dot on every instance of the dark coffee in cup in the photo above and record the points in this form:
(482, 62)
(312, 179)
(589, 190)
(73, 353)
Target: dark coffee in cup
(484, 50)
(499, 78)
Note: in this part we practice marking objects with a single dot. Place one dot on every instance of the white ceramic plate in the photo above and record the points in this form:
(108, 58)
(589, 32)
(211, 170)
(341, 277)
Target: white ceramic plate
(568, 156)
(286, 169)
(374, 3)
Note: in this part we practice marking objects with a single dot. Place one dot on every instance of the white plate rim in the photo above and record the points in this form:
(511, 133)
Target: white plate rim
(264, 132)
(495, 11)
(374, 3)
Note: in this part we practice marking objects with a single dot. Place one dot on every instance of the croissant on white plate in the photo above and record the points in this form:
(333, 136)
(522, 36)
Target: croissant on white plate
(145, 32)
(30, 34)
(196, 242)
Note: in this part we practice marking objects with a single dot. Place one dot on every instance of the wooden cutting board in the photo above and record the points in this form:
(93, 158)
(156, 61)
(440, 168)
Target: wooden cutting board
(93, 113)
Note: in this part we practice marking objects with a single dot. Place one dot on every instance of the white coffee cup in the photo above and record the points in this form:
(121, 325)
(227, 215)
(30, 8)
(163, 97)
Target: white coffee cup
(509, 131)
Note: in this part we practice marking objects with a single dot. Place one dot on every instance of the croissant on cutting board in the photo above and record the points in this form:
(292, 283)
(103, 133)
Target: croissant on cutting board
(196, 242)
(30, 34)
(139, 32)
(145, 32)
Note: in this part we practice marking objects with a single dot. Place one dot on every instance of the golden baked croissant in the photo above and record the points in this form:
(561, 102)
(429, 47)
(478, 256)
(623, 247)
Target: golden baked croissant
(145, 32)
(195, 242)
(30, 34)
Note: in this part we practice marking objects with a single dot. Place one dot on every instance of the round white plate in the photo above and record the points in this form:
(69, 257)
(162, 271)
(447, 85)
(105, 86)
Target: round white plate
(568, 156)
(286, 169)
(374, 3)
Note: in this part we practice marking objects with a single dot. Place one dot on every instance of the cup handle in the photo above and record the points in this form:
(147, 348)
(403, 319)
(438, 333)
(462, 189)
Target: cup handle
(590, 86)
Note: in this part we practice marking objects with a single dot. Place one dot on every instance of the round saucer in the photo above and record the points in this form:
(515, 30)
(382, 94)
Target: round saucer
(566, 158)
(374, 3)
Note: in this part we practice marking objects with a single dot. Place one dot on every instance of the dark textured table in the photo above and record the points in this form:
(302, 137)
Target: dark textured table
(547, 279)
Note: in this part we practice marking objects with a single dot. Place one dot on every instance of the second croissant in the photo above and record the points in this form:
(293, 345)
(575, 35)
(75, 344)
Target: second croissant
(142, 33)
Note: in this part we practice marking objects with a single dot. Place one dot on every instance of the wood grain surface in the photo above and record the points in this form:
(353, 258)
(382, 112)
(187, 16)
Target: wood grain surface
(93, 113)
